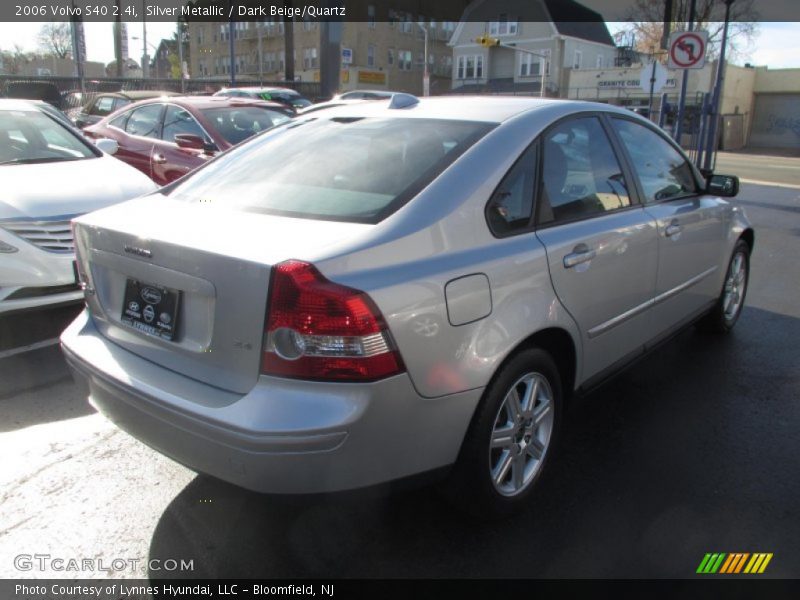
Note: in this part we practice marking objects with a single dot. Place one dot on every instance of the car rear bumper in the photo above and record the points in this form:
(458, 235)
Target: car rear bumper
(284, 436)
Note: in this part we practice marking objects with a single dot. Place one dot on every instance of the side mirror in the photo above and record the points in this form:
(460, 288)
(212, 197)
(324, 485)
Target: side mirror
(723, 185)
(107, 145)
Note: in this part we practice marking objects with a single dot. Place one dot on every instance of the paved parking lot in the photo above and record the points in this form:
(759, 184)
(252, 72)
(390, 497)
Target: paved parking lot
(694, 450)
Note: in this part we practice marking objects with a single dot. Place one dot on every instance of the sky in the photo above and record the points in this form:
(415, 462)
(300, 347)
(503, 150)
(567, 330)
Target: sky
(776, 46)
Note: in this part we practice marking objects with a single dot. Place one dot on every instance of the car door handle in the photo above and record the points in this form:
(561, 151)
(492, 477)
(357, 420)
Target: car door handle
(673, 229)
(159, 158)
(579, 255)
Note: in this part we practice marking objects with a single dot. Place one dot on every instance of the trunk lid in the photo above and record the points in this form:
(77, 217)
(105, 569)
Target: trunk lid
(218, 261)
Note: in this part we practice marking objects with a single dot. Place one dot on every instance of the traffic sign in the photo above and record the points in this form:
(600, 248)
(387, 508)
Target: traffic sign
(657, 73)
(687, 50)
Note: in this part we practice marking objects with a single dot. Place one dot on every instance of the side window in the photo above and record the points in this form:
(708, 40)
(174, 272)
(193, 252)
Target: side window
(511, 205)
(120, 102)
(662, 171)
(103, 106)
(580, 173)
(144, 121)
(178, 120)
(120, 121)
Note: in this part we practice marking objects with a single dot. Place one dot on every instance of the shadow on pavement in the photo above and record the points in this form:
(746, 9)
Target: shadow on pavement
(652, 474)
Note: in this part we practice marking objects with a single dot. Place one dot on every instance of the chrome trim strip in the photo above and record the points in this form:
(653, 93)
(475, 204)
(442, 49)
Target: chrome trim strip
(628, 314)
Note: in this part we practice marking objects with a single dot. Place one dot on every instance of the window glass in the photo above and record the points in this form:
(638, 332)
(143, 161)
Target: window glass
(178, 120)
(662, 171)
(580, 173)
(238, 124)
(30, 136)
(145, 121)
(511, 206)
(339, 169)
(103, 106)
(119, 122)
(120, 102)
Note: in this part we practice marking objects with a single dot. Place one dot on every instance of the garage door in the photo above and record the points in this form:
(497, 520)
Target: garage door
(776, 121)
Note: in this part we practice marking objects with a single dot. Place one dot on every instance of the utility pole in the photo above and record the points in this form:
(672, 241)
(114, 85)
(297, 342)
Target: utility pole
(288, 46)
(426, 78)
(711, 145)
(145, 57)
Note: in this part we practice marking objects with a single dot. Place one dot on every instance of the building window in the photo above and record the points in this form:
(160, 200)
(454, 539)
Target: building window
(390, 56)
(599, 62)
(371, 16)
(309, 58)
(576, 60)
(470, 67)
(371, 55)
(503, 26)
(404, 60)
(282, 61)
(420, 59)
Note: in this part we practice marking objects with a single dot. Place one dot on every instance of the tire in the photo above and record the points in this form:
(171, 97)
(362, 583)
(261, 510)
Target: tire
(728, 308)
(506, 450)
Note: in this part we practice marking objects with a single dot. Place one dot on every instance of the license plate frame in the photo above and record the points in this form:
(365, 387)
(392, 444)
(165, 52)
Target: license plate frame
(151, 309)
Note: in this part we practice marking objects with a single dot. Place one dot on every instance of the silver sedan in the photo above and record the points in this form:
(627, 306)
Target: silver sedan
(400, 287)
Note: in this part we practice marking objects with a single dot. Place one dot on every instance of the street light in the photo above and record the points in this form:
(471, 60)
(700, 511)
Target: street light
(145, 56)
(426, 79)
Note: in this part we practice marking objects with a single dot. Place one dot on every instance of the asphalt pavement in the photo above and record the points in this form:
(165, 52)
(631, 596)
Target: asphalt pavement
(693, 450)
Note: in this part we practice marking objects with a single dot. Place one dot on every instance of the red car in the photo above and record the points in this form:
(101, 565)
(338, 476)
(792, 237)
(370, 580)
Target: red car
(165, 138)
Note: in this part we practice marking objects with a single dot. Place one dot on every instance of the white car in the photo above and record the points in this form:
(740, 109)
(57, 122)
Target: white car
(49, 174)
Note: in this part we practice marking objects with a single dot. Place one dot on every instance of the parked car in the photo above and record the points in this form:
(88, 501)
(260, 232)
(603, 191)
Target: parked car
(49, 174)
(285, 96)
(165, 138)
(103, 104)
(382, 290)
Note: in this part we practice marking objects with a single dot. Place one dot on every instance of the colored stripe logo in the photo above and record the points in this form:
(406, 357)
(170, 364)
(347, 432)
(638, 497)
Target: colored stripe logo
(734, 563)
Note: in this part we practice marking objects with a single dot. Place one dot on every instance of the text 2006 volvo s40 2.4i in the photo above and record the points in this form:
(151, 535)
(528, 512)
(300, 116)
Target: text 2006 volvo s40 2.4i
(382, 290)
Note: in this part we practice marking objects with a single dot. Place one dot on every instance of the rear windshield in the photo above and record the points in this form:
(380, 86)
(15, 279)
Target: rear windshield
(239, 123)
(358, 170)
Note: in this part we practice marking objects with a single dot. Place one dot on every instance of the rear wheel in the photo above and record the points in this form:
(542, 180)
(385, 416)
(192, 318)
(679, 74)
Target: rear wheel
(511, 437)
(726, 312)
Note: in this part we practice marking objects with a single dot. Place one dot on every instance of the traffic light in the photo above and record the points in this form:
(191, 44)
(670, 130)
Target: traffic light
(485, 40)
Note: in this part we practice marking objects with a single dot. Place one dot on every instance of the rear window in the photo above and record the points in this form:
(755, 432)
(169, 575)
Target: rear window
(238, 124)
(358, 170)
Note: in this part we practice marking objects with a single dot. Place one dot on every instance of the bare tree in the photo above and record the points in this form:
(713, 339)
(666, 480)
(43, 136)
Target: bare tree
(646, 24)
(55, 39)
(13, 61)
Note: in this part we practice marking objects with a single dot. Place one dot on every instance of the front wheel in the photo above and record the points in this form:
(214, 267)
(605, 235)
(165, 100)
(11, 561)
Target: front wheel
(510, 440)
(729, 306)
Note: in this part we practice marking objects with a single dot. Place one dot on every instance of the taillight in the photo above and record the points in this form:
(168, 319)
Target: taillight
(317, 329)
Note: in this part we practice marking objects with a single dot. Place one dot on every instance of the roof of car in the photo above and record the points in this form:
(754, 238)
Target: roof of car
(202, 102)
(12, 104)
(139, 94)
(258, 88)
(493, 109)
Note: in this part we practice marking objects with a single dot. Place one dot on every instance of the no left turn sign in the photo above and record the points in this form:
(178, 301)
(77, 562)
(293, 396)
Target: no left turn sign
(687, 50)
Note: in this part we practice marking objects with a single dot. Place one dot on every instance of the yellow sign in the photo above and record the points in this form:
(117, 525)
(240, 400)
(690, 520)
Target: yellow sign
(373, 77)
(345, 76)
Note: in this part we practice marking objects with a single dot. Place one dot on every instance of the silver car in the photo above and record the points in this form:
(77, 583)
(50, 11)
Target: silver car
(399, 287)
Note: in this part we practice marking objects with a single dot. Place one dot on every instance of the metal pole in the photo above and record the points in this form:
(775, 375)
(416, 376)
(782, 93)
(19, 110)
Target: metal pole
(711, 145)
(542, 91)
(260, 53)
(684, 81)
(231, 30)
(426, 78)
(145, 57)
(180, 57)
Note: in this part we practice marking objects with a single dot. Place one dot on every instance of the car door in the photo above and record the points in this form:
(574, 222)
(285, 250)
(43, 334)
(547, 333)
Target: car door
(169, 162)
(691, 225)
(142, 128)
(602, 246)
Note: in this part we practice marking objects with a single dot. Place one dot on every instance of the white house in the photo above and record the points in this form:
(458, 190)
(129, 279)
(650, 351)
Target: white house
(570, 35)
